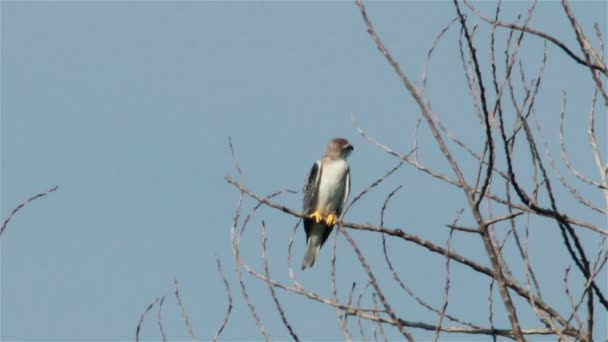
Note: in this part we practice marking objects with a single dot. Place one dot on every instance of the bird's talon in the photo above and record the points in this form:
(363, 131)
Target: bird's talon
(331, 219)
(316, 216)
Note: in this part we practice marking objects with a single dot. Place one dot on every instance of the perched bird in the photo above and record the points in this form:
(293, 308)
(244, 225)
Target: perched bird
(325, 193)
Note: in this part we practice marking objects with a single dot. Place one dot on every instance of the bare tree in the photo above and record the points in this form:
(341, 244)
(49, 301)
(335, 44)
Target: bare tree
(513, 183)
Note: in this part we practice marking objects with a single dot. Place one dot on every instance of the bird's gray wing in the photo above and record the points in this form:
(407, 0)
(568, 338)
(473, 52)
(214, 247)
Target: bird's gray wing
(311, 188)
(346, 193)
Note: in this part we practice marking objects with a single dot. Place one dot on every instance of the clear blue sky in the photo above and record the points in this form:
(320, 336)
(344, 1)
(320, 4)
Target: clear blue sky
(128, 107)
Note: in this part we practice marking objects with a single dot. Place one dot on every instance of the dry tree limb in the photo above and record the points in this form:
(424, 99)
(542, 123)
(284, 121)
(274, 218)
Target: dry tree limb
(380, 327)
(528, 270)
(237, 261)
(587, 49)
(597, 156)
(566, 229)
(237, 165)
(569, 236)
(292, 275)
(571, 189)
(229, 295)
(416, 96)
(463, 330)
(350, 310)
(564, 182)
(573, 307)
(397, 278)
(490, 116)
(379, 180)
(143, 317)
(373, 315)
(418, 241)
(564, 153)
(446, 290)
(427, 60)
(236, 238)
(411, 293)
(32, 198)
(491, 307)
(493, 253)
(374, 184)
(361, 312)
(557, 42)
(235, 247)
(486, 114)
(525, 207)
(183, 311)
(600, 262)
(468, 73)
(376, 286)
(159, 319)
(271, 288)
(334, 290)
(350, 299)
(461, 182)
(359, 320)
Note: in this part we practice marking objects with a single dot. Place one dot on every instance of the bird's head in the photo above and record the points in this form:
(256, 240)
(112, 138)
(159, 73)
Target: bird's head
(339, 148)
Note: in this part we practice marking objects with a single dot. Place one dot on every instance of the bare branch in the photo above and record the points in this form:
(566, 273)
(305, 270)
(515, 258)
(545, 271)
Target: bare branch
(235, 237)
(334, 290)
(427, 60)
(587, 50)
(159, 319)
(32, 198)
(142, 318)
(418, 241)
(447, 280)
(543, 35)
(376, 286)
(229, 294)
(564, 153)
(471, 331)
(183, 311)
(271, 288)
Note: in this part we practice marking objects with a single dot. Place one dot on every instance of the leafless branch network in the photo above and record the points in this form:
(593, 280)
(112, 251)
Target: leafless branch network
(510, 186)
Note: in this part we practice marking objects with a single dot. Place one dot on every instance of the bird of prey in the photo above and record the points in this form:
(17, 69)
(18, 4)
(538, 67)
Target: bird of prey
(325, 193)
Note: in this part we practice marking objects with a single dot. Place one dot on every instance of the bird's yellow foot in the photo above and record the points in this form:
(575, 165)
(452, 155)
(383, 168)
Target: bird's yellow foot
(316, 216)
(331, 219)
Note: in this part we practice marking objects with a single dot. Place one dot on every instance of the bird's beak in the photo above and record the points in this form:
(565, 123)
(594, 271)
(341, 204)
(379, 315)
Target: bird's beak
(349, 148)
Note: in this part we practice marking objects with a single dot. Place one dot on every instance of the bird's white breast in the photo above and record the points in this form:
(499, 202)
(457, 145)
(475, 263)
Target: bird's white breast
(332, 186)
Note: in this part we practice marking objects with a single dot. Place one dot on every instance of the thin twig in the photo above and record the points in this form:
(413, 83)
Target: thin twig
(374, 282)
(380, 327)
(359, 320)
(32, 198)
(229, 295)
(587, 51)
(271, 288)
(446, 290)
(159, 319)
(334, 289)
(142, 317)
(183, 310)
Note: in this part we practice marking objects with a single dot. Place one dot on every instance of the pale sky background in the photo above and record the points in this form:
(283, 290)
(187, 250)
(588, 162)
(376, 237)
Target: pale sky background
(128, 107)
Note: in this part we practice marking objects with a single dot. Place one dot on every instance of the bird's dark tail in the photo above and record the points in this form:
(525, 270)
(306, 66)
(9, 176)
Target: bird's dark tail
(312, 251)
